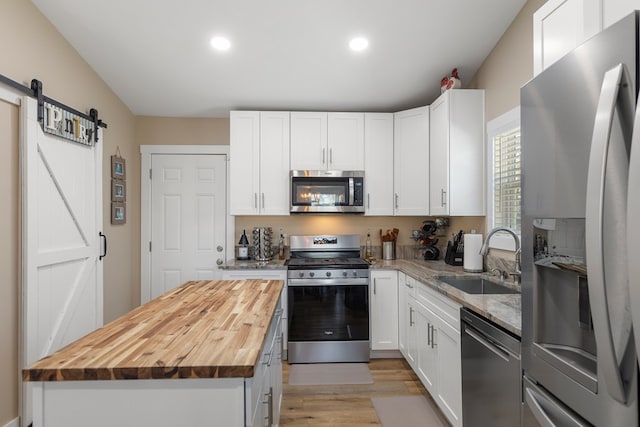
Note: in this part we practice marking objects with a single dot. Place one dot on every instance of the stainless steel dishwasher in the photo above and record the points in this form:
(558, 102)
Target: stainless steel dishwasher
(491, 373)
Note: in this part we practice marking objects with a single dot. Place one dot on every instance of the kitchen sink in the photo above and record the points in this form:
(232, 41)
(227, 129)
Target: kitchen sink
(476, 285)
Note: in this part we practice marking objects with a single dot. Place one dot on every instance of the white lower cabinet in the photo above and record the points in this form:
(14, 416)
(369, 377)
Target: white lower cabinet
(383, 303)
(429, 339)
(264, 389)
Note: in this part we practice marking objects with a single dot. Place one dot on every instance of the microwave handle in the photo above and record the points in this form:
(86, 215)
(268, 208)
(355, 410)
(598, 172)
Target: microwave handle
(351, 192)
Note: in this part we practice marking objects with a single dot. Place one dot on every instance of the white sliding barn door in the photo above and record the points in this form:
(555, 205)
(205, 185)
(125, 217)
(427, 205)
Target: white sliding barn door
(188, 219)
(61, 221)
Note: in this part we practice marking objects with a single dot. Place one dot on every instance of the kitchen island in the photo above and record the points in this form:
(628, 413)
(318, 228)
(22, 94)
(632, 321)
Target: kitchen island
(205, 353)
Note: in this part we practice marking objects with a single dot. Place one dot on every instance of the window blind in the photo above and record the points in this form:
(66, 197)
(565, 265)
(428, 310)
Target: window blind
(506, 179)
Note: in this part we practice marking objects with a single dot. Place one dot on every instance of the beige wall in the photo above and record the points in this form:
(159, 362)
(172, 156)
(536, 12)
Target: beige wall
(181, 131)
(32, 48)
(509, 65)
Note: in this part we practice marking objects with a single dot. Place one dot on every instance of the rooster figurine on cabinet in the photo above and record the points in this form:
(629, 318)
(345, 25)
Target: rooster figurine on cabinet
(450, 82)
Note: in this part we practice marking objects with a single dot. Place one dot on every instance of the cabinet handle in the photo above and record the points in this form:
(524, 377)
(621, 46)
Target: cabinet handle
(331, 156)
(255, 200)
(433, 337)
(323, 155)
(429, 334)
(396, 200)
(410, 316)
(262, 200)
(443, 197)
(374, 286)
(368, 200)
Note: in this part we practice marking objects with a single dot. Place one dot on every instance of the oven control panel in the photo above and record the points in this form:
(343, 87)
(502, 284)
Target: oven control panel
(328, 274)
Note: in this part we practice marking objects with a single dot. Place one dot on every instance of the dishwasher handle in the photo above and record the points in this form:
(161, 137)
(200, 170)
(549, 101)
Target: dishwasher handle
(497, 349)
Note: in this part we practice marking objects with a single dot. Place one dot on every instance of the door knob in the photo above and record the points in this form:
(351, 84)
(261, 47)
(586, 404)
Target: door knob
(219, 248)
(219, 261)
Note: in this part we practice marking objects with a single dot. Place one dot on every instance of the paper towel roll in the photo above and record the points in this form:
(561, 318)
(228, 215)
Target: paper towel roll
(472, 258)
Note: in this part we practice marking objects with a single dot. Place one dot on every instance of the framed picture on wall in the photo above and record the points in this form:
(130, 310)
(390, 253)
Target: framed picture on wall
(118, 213)
(118, 190)
(118, 168)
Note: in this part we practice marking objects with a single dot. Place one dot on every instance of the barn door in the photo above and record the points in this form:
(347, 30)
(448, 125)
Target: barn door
(188, 219)
(61, 247)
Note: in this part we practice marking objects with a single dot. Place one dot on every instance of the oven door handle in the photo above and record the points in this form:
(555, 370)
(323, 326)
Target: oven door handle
(363, 281)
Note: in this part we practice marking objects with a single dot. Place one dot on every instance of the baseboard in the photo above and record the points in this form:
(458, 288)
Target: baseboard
(13, 423)
(385, 354)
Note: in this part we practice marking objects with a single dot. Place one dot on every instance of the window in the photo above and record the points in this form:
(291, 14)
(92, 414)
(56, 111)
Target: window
(504, 186)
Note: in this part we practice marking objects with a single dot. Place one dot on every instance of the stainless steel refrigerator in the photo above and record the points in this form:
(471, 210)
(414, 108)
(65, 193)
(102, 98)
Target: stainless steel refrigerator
(580, 215)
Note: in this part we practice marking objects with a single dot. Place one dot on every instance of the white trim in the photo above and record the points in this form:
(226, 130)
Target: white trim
(146, 152)
(11, 96)
(503, 123)
(13, 423)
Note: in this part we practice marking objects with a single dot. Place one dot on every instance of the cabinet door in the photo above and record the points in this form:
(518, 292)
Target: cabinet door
(378, 163)
(412, 350)
(439, 156)
(309, 141)
(561, 25)
(411, 162)
(384, 310)
(466, 153)
(614, 10)
(426, 360)
(345, 141)
(449, 372)
(403, 318)
(244, 153)
(274, 163)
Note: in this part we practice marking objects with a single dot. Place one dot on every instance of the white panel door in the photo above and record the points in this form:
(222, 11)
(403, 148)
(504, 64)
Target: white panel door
(384, 309)
(439, 156)
(61, 247)
(244, 173)
(188, 203)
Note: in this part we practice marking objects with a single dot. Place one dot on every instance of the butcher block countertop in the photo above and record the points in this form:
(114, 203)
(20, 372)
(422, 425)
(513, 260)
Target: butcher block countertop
(202, 329)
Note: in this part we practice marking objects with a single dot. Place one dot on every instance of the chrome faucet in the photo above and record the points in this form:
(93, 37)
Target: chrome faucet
(485, 249)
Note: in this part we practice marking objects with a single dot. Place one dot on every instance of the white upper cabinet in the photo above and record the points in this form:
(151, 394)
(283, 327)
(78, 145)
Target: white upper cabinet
(327, 141)
(378, 163)
(559, 26)
(308, 141)
(411, 162)
(259, 163)
(345, 141)
(274, 163)
(456, 159)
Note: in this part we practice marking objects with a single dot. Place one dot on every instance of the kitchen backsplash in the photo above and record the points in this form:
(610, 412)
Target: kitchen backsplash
(358, 224)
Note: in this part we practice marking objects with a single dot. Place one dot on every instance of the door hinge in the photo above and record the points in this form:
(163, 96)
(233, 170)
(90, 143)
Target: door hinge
(149, 245)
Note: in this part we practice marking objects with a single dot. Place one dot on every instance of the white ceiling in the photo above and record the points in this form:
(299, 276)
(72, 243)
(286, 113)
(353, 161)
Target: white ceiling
(285, 55)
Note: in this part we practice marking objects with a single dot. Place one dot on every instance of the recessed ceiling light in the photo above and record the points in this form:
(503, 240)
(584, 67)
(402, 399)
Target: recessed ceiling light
(220, 43)
(358, 44)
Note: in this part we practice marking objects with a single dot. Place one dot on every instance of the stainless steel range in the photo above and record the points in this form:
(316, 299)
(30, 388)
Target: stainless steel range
(328, 300)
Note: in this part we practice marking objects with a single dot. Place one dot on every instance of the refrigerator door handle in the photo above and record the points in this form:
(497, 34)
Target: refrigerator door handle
(614, 96)
(536, 402)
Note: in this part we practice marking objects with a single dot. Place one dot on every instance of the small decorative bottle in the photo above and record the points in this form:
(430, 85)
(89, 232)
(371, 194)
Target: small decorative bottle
(368, 254)
(243, 248)
(281, 246)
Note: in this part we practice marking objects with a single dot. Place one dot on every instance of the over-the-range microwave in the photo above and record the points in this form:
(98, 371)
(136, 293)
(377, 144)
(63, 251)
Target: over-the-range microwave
(314, 191)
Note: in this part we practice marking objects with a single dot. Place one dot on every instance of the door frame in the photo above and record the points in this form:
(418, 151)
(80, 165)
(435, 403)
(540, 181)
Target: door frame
(147, 151)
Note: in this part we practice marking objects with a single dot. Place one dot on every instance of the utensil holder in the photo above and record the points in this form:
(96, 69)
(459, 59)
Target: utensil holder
(389, 250)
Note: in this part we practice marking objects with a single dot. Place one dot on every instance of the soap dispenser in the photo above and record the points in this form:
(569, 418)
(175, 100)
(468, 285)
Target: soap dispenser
(243, 247)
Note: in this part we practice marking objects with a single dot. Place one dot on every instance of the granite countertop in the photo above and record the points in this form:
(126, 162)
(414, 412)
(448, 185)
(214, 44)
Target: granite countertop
(235, 264)
(202, 329)
(503, 309)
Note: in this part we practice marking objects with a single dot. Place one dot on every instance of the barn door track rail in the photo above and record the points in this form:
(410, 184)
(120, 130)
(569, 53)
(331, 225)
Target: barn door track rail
(58, 118)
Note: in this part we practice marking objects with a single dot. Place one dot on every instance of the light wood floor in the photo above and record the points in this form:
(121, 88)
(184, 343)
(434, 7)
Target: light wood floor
(348, 405)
